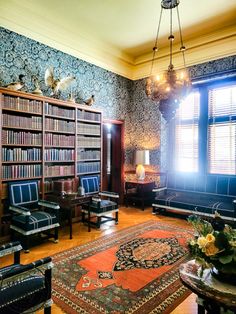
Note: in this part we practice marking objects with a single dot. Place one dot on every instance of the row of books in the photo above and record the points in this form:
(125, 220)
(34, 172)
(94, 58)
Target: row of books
(88, 154)
(93, 129)
(59, 140)
(65, 170)
(83, 141)
(58, 111)
(33, 122)
(59, 125)
(24, 138)
(88, 167)
(22, 104)
(85, 115)
(21, 171)
(19, 154)
(55, 154)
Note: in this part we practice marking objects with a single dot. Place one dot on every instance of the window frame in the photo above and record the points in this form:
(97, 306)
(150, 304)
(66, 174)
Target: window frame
(203, 88)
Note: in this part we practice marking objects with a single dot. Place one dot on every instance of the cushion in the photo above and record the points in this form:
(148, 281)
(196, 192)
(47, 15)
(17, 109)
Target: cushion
(22, 295)
(197, 201)
(23, 192)
(102, 206)
(38, 219)
(90, 184)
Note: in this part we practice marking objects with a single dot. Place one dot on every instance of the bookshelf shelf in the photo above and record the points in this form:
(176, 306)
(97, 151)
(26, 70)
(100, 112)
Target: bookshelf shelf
(59, 117)
(21, 111)
(46, 139)
(23, 162)
(20, 178)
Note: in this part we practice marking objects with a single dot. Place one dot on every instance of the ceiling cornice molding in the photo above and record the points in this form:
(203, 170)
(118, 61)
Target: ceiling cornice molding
(77, 45)
(221, 43)
(205, 49)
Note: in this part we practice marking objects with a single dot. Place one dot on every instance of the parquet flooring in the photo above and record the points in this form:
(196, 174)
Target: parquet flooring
(127, 217)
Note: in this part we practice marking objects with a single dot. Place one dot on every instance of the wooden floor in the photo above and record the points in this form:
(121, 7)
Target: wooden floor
(127, 217)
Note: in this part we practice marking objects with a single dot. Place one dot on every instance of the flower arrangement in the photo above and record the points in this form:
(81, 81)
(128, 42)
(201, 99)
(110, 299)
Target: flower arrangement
(214, 245)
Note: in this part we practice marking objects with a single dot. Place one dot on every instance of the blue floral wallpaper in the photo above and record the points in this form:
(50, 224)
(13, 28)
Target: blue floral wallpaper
(119, 98)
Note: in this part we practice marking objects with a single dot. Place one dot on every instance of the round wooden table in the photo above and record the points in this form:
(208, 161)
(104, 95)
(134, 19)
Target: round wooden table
(213, 296)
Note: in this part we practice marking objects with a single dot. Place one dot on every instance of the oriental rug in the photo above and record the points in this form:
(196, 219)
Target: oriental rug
(134, 270)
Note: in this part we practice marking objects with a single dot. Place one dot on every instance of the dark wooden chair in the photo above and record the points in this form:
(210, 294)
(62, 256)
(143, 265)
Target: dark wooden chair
(31, 215)
(102, 204)
(24, 288)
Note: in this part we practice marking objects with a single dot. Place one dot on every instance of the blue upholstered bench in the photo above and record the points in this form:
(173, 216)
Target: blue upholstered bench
(200, 194)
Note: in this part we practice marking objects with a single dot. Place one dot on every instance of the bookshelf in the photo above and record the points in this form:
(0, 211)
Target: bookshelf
(46, 139)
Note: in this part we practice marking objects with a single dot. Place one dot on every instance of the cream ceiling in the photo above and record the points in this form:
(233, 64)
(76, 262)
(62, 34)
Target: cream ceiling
(118, 35)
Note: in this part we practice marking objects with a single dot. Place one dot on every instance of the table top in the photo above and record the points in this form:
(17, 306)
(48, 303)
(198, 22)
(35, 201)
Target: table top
(69, 199)
(139, 181)
(207, 285)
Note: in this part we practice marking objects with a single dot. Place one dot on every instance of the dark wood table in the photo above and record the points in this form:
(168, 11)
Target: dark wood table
(68, 203)
(139, 191)
(213, 296)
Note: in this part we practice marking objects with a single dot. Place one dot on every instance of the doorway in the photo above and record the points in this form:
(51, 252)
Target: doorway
(113, 157)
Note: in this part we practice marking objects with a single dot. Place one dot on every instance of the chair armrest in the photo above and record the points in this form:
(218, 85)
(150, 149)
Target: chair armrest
(20, 210)
(109, 194)
(19, 269)
(159, 189)
(10, 248)
(48, 204)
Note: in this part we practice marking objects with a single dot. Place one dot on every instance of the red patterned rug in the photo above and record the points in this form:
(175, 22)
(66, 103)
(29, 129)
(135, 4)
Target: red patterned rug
(134, 270)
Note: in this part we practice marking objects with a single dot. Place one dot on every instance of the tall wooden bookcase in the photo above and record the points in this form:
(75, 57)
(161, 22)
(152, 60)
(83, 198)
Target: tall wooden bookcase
(46, 139)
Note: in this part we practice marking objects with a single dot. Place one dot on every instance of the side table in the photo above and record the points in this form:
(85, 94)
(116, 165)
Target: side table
(68, 203)
(213, 296)
(139, 191)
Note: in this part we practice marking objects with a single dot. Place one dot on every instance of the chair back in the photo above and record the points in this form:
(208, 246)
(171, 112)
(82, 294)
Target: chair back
(90, 184)
(23, 193)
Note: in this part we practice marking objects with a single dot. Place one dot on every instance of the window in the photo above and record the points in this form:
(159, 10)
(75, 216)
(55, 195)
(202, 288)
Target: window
(205, 130)
(222, 130)
(186, 136)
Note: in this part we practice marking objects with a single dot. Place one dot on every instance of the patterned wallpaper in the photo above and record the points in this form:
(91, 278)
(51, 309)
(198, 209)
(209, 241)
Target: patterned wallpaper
(118, 97)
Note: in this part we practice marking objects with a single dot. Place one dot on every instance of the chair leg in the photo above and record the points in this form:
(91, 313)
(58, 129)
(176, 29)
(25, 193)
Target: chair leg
(56, 235)
(47, 310)
(116, 218)
(26, 244)
(98, 222)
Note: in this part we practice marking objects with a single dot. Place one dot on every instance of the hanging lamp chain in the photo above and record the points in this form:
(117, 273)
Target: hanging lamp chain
(155, 48)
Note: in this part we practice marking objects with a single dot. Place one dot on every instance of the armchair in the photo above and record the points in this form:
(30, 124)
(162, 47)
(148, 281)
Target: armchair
(27, 218)
(98, 207)
(24, 288)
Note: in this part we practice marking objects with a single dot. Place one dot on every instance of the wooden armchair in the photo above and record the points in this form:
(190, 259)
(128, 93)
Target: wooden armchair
(24, 288)
(31, 215)
(99, 207)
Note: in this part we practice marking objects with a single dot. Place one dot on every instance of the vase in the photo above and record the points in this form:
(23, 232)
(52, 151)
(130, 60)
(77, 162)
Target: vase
(224, 276)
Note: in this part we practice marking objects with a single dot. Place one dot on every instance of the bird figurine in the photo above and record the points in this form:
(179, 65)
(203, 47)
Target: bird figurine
(16, 85)
(57, 85)
(37, 90)
(89, 101)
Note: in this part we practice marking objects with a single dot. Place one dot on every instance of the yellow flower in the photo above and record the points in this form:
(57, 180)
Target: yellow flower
(202, 242)
(210, 238)
(232, 243)
(211, 249)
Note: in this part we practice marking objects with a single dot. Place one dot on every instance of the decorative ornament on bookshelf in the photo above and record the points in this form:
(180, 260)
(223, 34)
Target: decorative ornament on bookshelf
(37, 90)
(18, 84)
(57, 85)
(71, 97)
(90, 101)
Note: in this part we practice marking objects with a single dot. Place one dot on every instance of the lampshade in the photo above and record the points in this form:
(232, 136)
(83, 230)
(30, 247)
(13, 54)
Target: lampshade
(141, 158)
